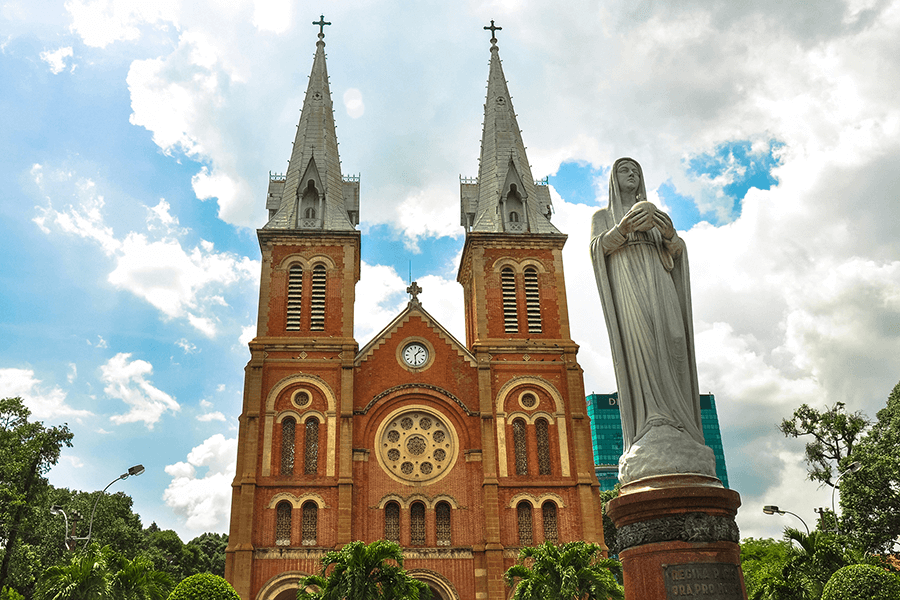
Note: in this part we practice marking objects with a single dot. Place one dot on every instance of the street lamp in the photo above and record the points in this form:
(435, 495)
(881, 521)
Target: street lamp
(57, 510)
(851, 468)
(70, 539)
(771, 509)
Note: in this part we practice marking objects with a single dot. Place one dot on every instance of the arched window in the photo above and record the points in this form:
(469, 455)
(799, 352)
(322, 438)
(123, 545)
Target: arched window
(514, 217)
(532, 300)
(523, 511)
(521, 447)
(317, 306)
(295, 291)
(283, 524)
(551, 528)
(417, 524)
(311, 447)
(308, 202)
(508, 288)
(288, 426)
(392, 522)
(442, 523)
(310, 523)
(542, 432)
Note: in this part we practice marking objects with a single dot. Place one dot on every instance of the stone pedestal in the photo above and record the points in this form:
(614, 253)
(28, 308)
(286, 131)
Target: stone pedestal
(677, 539)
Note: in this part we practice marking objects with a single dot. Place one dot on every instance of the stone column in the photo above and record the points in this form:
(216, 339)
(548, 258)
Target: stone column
(677, 538)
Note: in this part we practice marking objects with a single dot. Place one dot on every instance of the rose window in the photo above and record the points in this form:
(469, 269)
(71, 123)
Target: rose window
(416, 445)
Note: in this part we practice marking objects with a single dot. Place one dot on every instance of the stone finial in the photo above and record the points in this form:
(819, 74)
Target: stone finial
(414, 290)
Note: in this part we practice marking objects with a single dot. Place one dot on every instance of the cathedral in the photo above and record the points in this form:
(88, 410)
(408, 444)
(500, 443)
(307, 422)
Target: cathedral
(461, 451)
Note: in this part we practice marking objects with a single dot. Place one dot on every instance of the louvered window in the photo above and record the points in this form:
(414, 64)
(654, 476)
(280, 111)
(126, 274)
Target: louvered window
(508, 287)
(417, 524)
(521, 447)
(310, 523)
(311, 447)
(542, 431)
(283, 524)
(526, 536)
(288, 428)
(551, 529)
(295, 291)
(532, 300)
(317, 306)
(392, 522)
(442, 524)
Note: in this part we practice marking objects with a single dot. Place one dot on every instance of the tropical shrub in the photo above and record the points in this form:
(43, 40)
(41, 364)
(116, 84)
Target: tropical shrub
(862, 582)
(204, 586)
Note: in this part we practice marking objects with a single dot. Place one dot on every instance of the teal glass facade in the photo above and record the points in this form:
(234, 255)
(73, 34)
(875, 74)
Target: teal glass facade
(606, 436)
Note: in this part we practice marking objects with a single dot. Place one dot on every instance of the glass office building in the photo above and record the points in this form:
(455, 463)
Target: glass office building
(606, 436)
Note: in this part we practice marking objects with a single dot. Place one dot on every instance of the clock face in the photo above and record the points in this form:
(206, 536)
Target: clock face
(415, 354)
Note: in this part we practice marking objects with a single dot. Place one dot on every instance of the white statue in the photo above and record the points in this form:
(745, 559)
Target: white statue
(642, 276)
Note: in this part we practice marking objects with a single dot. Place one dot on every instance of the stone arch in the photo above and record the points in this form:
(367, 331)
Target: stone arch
(275, 588)
(296, 501)
(437, 582)
(559, 420)
(330, 418)
(514, 501)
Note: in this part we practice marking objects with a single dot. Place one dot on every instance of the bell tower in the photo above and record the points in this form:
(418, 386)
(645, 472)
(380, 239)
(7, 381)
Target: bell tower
(294, 456)
(517, 326)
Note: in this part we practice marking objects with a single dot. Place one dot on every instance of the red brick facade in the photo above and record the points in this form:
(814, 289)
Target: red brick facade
(461, 452)
(341, 480)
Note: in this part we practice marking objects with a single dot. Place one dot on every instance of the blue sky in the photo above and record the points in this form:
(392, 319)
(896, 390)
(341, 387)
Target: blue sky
(137, 140)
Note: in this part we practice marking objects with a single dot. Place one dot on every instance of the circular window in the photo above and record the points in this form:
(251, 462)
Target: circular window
(301, 399)
(528, 400)
(416, 445)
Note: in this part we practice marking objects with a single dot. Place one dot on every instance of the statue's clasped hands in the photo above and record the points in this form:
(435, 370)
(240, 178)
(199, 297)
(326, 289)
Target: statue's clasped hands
(644, 216)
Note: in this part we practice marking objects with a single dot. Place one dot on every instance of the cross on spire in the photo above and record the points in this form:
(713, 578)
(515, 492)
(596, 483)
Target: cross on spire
(493, 29)
(414, 290)
(322, 23)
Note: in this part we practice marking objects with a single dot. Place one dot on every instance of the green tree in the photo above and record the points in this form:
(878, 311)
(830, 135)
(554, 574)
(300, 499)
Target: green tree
(208, 553)
(834, 433)
(870, 498)
(363, 572)
(102, 574)
(609, 528)
(573, 571)
(27, 451)
(762, 561)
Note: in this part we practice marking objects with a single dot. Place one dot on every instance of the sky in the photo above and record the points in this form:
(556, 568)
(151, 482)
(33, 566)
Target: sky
(137, 140)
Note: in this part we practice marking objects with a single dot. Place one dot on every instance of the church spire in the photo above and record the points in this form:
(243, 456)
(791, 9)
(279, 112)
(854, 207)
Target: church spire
(504, 198)
(313, 194)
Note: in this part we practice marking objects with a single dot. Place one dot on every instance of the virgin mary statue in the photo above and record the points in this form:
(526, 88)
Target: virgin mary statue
(642, 275)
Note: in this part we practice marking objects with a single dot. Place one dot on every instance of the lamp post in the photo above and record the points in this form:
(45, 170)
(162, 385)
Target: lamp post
(71, 540)
(851, 468)
(771, 509)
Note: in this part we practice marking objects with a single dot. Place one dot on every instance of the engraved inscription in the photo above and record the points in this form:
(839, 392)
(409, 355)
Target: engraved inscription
(712, 581)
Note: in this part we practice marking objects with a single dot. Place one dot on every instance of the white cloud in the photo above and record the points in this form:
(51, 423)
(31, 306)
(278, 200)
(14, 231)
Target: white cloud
(211, 416)
(187, 346)
(180, 282)
(43, 401)
(247, 334)
(102, 22)
(57, 59)
(272, 15)
(127, 380)
(379, 298)
(204, 501)
(73, 372)
(353, 102)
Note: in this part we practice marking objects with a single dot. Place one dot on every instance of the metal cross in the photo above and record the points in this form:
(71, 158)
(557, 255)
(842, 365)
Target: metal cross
(493, 28)
(414, 290)
(322, 23)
